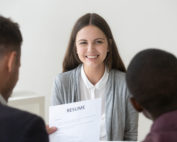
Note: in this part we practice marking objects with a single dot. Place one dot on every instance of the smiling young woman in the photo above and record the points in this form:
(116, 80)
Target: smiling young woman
(92, 68)
(92, 49)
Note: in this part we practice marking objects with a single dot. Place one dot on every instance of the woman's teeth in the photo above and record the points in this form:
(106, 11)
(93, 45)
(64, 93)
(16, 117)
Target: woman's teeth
(92, 57)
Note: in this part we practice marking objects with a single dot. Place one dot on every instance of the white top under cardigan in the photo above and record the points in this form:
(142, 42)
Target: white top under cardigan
(121, 118)
(90, 91)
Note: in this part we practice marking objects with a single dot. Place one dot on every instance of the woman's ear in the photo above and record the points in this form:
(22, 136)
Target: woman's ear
(109, 45)
(136, 105)
(75, 48)
(12, 61)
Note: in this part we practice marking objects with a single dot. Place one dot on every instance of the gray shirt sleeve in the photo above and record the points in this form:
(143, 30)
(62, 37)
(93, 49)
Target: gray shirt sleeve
(56, 92)
(131, 123)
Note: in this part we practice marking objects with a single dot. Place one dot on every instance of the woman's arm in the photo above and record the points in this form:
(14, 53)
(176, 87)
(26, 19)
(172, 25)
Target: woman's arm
(131, 122)
(57, 95)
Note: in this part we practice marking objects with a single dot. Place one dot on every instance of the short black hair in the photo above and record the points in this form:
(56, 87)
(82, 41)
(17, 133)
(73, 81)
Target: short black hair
(10, 36)
(152, 80)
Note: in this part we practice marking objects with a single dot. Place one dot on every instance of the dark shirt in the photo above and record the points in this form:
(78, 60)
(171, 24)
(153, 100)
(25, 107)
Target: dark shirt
(164, 128)
(21, 126)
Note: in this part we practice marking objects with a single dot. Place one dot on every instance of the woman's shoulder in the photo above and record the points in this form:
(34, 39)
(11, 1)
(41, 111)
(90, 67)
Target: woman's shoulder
(117, 74)
(118, 77)
(69, 75)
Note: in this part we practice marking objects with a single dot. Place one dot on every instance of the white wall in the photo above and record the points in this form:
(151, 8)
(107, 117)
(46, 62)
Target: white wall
(46, 26)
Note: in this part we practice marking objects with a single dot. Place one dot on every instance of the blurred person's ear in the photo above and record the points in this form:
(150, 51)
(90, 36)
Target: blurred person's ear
(12, 61)
(139, 108)
(136, 105)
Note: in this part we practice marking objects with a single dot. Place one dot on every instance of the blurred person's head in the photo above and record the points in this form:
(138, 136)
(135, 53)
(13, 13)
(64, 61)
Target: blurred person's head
(10, 50)
(152, 80)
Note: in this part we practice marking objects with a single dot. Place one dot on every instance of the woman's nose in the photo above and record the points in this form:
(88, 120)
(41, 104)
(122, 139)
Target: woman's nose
(91, 47)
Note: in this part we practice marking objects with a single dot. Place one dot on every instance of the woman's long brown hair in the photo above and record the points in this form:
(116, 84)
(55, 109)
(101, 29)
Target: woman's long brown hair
(113, 59)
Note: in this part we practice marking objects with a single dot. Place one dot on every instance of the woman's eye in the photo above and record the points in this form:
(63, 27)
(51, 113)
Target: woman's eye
(83, 42)
(99, 41)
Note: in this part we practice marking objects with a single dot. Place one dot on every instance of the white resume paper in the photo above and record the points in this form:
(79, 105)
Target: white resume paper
(76, 122)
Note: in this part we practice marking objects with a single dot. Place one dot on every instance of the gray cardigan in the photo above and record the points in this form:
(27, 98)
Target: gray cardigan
(121, 118)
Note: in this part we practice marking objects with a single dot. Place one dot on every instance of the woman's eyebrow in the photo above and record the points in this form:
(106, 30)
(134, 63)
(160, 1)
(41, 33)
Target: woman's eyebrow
(81, 40)
(94, 39)
(99, 39)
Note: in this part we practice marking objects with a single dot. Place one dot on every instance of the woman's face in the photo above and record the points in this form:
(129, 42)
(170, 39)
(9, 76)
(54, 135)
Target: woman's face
(91, 46)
